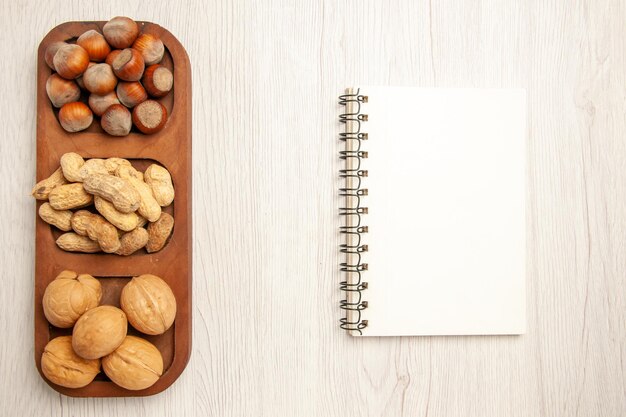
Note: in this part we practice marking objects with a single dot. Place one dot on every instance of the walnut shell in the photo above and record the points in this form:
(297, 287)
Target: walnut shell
(149, 304)
(136, 364)
(99, 332)
(69, 296)
(62, 366)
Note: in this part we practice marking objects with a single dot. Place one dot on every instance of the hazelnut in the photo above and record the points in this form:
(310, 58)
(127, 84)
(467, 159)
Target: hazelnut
(75, 116)
(51, 51)
(99, 331)
(157, 80)
(114, 53)
(128, 65)
(99, 104)
(150, 47)
(116, 120)
(69, 296)
(62, 366)
(131, 93)
(149, 116)
(149, 304)
(136, 364)
(70, 61)
(94, 43)
(120, 32)
(79, 80)
(99, 79)
(61, 91)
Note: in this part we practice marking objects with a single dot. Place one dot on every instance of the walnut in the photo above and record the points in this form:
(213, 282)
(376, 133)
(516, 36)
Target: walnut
(63, 367)
(69, 296)
(99, 332)
(136, 364)
(149, 304)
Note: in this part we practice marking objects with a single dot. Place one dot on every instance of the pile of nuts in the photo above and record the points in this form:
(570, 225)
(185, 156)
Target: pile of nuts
(99, 337)
(125, 200)
(116, 80)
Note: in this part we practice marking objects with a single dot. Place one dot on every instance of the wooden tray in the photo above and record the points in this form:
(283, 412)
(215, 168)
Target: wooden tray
(171, 147)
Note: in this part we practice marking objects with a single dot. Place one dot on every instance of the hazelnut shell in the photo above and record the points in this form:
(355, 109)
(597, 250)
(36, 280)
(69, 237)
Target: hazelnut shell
(61, 91)
(131, 93)
(120, 32)
(99, 79)
(112, 55)
(128, 65)
(94, 43)
(157, 80)
(70, 61)
(100, 104)
(149, 116)
(150, 47)
(116, 120)
(75, 116)
(51, 51)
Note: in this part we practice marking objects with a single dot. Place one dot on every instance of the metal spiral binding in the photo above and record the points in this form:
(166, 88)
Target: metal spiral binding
(353, 211)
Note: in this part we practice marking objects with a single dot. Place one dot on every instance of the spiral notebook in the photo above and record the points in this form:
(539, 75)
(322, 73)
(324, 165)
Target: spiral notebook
(433, 207)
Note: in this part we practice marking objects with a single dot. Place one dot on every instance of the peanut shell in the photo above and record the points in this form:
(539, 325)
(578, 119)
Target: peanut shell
(96, 228)
(123, 221)
(160, 180)
(132, 241)
(61, 219)
(69, 196)
(148, 207)
(92, 166)
(42, 189)
(73, 242)
(159, 232)
(71, 164)
(112, 164)
(116, 190)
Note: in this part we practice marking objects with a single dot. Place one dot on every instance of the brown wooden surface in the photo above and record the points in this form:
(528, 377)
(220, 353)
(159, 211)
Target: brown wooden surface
(171, 147)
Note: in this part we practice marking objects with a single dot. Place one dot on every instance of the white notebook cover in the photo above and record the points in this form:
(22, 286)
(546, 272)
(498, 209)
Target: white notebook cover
(446, 211)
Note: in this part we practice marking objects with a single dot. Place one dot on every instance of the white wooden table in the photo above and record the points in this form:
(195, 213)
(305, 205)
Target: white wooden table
(266, 75)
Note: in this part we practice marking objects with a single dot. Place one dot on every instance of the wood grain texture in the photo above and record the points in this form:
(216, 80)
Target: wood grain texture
(170, 147)
(266, 77)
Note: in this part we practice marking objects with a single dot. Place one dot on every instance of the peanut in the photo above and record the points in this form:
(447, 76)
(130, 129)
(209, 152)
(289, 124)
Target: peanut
(92, 166)
(111, 164)
(142, 221)
(128, 171)
(61, 219)
(123, 221)
(160, 180)
(131, 242)
(159, 232)
(42, 189)
(148, 206)
(71, 163)
(96, 228)
(69, 196)
(72, 242)
(116, 190)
